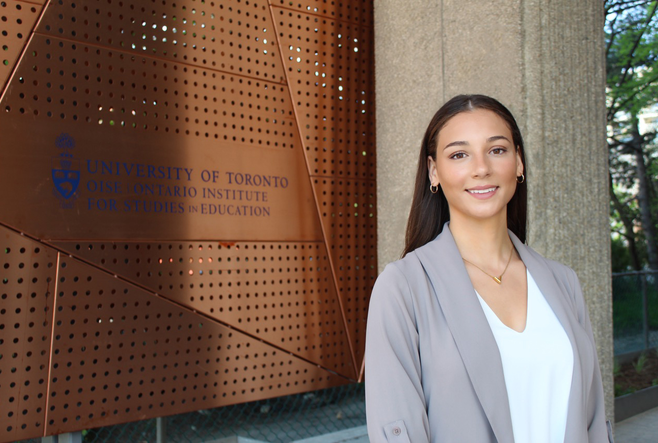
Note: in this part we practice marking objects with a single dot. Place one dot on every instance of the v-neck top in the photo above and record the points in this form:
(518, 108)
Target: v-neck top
(538, 367)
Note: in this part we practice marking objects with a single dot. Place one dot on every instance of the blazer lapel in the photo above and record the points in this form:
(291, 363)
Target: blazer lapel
(559, 302)
(476, 344)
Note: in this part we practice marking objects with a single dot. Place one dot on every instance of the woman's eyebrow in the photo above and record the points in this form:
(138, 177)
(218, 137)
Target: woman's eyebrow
(465, 143)
(497, 137)
(457, 143)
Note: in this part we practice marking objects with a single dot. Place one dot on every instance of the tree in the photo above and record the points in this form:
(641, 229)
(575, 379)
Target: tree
(632, 88)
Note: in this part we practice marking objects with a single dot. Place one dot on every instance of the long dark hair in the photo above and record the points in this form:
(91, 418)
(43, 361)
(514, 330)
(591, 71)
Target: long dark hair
(429, 212)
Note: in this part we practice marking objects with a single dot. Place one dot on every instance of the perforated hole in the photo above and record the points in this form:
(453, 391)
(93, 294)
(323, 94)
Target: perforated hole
(282, 293)
(27, 274)
(119, 352)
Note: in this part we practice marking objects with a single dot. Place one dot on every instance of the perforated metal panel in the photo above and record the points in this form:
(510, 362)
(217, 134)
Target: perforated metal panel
(209, 283)
(281, 293)
(66, 81)
(356, 11)
(122, 112)
(17, 19)
(27, 280)
(349, 218)
(328, 67)
(229, 35)
(121, 354)
(327, 63)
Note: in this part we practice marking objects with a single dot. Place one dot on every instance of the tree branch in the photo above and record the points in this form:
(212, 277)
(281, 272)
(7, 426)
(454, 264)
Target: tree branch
(631, 54)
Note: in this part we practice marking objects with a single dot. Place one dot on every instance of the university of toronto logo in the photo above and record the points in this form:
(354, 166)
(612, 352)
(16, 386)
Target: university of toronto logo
(66, 172)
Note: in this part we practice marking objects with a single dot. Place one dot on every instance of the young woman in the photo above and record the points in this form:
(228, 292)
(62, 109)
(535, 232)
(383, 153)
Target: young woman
(473, 336)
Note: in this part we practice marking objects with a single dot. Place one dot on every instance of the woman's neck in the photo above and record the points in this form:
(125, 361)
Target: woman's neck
(482, 241)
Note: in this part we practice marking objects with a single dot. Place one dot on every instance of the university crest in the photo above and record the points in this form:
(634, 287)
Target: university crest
(66, 172)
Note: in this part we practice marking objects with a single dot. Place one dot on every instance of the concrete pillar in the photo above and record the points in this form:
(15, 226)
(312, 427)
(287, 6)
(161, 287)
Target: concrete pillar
(544, 60)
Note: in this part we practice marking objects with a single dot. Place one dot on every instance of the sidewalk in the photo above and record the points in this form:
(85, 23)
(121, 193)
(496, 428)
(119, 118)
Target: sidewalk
(642, 428)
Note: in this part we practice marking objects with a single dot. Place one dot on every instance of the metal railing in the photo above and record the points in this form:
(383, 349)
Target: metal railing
(283, 419)
(635, 311)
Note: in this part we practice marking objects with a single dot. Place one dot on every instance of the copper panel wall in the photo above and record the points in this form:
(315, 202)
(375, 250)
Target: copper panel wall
(26, 312)
(17, 19)
(188, 212)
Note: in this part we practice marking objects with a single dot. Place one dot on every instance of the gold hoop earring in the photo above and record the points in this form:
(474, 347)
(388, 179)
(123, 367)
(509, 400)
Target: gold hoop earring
(522, 179)
(434, 189)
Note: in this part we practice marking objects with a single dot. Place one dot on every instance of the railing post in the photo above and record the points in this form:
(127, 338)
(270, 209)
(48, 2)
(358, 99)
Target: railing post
(161, 429)
(645, 310)
(70, 437)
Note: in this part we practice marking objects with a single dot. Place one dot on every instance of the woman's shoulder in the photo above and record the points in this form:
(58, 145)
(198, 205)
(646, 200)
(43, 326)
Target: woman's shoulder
(398, 272)
(396, 285)
(557, 268)
(408, 270)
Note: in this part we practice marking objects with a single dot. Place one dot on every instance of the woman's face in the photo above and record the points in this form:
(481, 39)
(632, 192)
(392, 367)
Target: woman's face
(476, 165)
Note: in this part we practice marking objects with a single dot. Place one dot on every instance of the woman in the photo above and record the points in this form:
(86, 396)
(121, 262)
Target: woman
(473, 336)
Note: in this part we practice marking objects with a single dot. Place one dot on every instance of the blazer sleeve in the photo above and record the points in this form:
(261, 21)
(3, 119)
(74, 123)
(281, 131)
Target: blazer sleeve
(395, 403)
(597, 428)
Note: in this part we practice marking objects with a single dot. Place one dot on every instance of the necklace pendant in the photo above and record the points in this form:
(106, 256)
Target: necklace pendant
(498, 280)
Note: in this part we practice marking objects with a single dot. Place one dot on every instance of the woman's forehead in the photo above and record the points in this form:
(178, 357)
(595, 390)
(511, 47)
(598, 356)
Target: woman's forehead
(475, 124)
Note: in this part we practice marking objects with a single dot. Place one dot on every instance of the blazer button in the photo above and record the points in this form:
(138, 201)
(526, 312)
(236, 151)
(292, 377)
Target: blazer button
(397, 431)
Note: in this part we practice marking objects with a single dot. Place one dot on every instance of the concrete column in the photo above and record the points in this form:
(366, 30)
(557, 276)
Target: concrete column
(544, 60)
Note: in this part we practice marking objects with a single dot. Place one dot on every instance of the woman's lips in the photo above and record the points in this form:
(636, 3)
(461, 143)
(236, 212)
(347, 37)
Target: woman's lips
(483, 192)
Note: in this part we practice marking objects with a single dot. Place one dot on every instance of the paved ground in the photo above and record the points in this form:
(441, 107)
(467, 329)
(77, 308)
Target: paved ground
(642, 428)
(354, 435)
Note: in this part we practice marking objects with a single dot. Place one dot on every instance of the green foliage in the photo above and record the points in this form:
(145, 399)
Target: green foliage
(632, 62)
(619, 391)
(640, 363)
(621, 258)
(631, 32)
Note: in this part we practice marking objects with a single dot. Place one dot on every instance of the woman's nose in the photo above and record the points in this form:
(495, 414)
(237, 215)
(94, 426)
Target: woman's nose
(481, 166)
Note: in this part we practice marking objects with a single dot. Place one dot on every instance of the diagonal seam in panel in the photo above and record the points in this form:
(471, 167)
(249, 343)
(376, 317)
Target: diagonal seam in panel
(27, 284)
(13, 65)
(144, 288)
(239, 299)
(52, 338)
(324, 234)
(338, 133)
(156, 58)
(159, 36)
(130, 337)
(317, 14)
(350, 224)
(204, 315)
(347, 11)
(271, 139)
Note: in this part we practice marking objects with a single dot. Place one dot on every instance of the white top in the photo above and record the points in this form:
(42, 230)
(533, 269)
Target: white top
(538, 366)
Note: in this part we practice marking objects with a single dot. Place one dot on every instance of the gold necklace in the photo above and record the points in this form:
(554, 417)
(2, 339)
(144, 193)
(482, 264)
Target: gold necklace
(498, 279)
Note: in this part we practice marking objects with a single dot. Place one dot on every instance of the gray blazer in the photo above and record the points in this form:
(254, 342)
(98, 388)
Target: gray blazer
(433, 370)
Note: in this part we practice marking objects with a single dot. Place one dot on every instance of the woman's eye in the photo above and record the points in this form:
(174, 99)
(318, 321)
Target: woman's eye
(458, 155)
(498, 151)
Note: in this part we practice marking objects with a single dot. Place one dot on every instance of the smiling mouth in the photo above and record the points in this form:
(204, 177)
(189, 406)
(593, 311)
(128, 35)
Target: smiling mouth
(482, 191)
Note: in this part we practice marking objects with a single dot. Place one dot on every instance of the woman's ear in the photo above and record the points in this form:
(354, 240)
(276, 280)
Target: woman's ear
(432, 172)
(519, 162)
